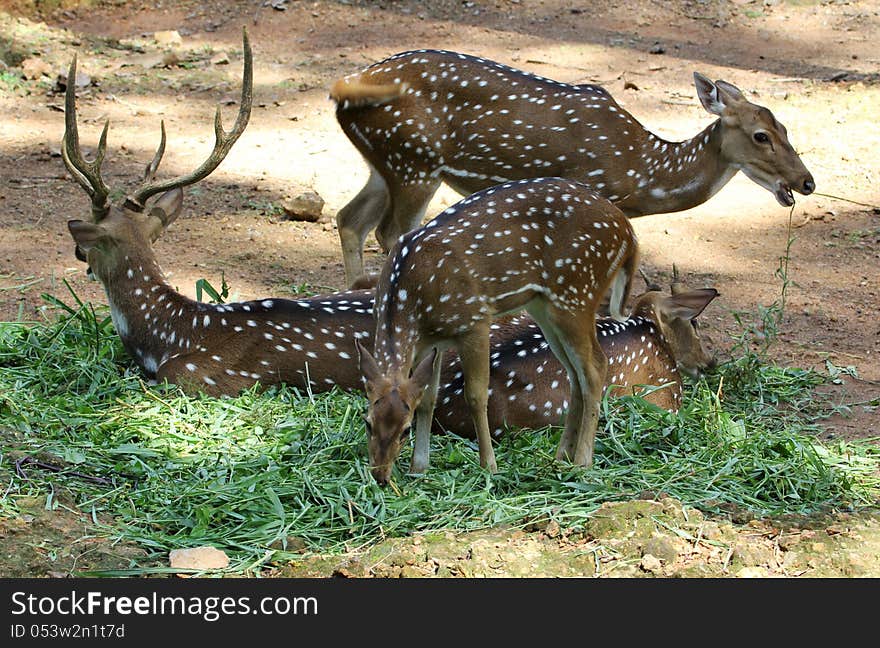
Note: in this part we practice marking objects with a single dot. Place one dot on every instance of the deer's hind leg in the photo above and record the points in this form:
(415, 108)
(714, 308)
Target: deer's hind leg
(473, 349)
(408, 202)
(539, 310)
(371, 206)
(578, 333)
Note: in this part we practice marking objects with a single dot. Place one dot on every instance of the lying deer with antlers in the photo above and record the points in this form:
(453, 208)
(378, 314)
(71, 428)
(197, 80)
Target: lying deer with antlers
(550, 246)
(528, 386)
(422, 117)
(217, 349)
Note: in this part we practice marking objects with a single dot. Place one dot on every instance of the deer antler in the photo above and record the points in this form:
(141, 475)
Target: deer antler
(677, 286)
(222, 144)
(87, 174)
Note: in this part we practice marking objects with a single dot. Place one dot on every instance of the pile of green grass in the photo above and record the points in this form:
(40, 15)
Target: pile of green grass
(245, 474)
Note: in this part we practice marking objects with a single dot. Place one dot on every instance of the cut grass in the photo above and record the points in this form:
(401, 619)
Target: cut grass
(246, 474)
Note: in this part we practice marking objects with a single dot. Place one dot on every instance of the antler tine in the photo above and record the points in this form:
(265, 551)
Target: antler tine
(87, 174)
(676, 287)
(150, 171)
(222, 144)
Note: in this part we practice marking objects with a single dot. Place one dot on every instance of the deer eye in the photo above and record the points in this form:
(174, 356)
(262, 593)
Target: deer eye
(761, 137)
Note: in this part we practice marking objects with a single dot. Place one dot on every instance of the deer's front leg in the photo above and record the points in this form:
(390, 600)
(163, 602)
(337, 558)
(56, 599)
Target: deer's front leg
(424, 417)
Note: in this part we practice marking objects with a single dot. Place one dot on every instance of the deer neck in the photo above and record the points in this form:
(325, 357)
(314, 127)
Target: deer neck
(395, 350)
(148, 314)
(674, 176)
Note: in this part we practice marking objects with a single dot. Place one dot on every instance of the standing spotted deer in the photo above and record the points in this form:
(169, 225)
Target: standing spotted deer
(550, 246)
(217, 349)
(422, 117)
(528, 386)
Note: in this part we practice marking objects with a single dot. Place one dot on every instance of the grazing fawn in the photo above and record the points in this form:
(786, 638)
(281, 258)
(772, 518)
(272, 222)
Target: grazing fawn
(217, 349)
(550, 246)
(422, 117)
(528, 386)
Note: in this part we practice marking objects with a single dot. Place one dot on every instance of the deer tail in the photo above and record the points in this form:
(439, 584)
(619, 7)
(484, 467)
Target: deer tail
(354, 92)
(621, 284)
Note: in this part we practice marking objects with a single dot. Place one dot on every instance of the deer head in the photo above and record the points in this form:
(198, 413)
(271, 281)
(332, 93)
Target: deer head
(392, 403)
(676, 315)
(754, 141)
(128, 228)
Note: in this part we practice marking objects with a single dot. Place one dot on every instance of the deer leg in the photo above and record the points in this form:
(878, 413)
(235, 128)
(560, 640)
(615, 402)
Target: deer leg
(596, 365)
(371, 206)
(590, 365)
(408, 205)
(424, 418)
(556, 339)
(473, 349)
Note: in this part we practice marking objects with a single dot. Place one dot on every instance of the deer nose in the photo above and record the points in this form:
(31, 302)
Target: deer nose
(809, 186)
(380, 477)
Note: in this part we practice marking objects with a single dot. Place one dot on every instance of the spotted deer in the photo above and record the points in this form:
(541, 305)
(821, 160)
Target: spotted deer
(216, 349)
(550, 246)
(426, 116)
(528, 387)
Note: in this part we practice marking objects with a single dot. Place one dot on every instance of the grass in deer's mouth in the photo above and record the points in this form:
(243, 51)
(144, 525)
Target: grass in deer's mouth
(244, 474)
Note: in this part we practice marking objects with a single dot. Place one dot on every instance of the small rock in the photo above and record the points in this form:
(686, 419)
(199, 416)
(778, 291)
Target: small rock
(220, 59)
(198, 558)
(661, 547)
(307, 206)
(552, 529)
(657, 48)
(171, 37)
(34, 68)
(651, 564)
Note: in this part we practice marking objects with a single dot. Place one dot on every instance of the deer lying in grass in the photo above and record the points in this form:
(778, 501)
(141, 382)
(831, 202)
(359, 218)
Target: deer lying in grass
(216, 349)
(528, 386)
(550, 246)
(422, 117)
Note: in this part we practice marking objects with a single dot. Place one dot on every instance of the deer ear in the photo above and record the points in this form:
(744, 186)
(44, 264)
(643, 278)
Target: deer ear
(369, 368)
(729, 93)
(164, 212)
(85, 234)
(422, 374)
(709, 94)
(687, 305)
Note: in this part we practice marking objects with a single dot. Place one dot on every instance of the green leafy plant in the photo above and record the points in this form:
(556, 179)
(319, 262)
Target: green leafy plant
(204, 286)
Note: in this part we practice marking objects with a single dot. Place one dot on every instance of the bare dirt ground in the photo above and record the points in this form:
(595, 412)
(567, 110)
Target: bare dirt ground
(815, 64)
